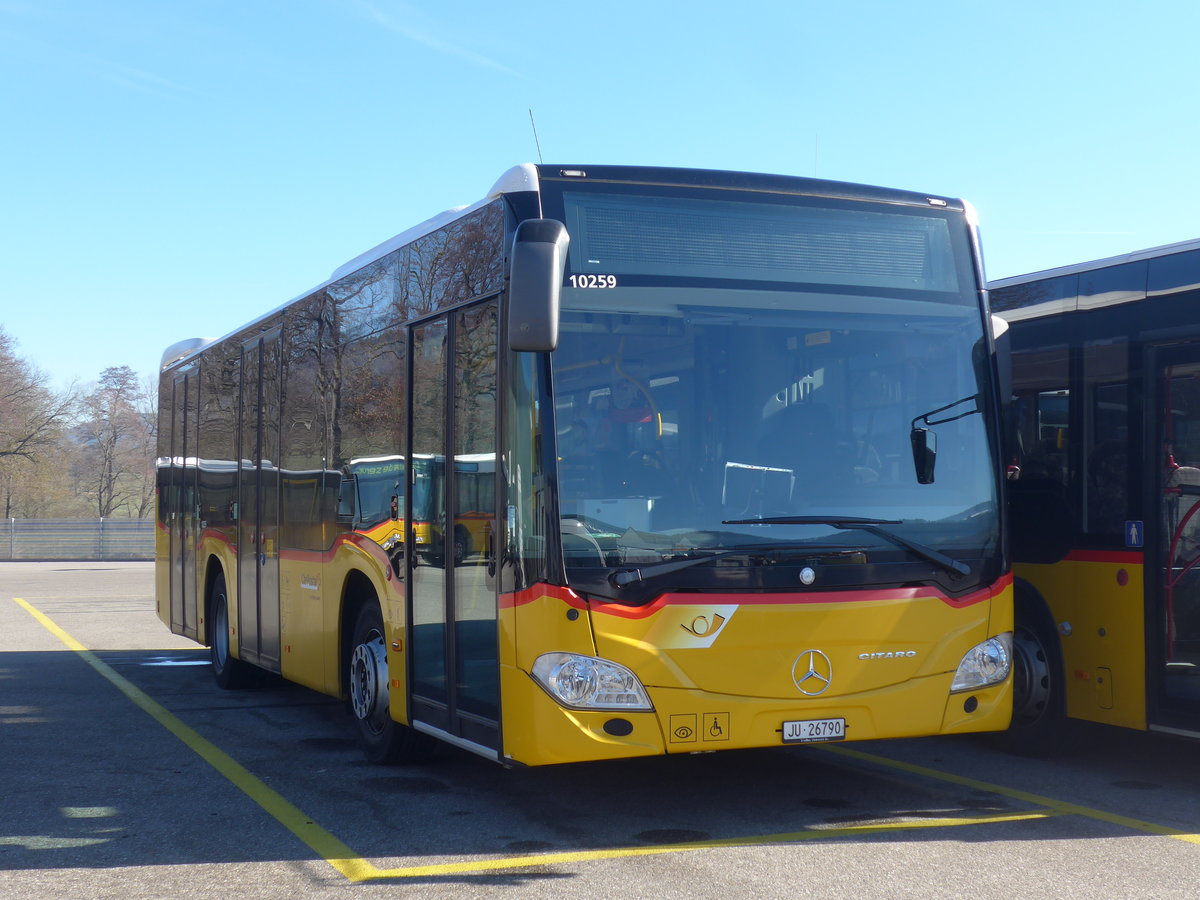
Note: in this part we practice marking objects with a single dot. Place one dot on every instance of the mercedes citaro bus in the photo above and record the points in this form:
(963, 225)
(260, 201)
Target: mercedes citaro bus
(613, 462)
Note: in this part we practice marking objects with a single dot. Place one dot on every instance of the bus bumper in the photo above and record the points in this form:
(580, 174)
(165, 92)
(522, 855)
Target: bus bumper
(690, 721)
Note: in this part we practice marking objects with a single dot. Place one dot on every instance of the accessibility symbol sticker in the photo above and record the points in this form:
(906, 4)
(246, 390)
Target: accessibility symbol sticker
(715, 727)
(1135, 534)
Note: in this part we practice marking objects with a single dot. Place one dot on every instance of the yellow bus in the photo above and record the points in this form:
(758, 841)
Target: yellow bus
(1104, 490)
(375, 488)
(726, 474)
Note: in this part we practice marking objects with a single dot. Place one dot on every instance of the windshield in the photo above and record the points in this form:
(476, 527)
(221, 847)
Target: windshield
(697, 391)
(380, 488)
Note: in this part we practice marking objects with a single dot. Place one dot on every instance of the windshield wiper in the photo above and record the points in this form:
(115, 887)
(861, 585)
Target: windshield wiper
(871, 526)
(624, 577)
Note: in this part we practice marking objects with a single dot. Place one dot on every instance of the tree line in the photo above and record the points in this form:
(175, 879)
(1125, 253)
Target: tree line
(81, 452)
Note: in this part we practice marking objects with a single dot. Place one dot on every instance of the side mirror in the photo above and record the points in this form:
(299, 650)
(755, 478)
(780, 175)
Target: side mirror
(539, 259)
(924, 448)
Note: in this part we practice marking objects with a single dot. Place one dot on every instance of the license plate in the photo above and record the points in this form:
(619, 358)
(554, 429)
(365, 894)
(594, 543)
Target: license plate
(810, 731)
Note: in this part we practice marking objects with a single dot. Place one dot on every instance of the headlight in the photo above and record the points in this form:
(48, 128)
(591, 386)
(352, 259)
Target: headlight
(586, 682)
(984, 664)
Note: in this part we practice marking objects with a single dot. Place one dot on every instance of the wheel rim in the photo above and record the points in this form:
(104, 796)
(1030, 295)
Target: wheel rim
(1031, 677)
(368, 682)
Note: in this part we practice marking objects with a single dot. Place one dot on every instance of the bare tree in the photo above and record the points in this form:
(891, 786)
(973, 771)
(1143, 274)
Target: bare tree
(31, 415)
(116, 436)
(32, 422)
(41, 488)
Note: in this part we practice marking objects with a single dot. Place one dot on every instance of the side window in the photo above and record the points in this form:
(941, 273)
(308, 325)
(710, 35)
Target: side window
(1106, 450)
(367, 426)
(1041, 407)
(1039, 492)
(308, 487)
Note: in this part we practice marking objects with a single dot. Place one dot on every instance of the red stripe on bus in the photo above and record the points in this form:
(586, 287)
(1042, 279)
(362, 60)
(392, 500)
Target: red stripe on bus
(540, 591)
(1119, 557)
(566, 595)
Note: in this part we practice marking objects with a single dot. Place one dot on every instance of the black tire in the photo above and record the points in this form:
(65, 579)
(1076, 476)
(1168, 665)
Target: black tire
(230, 673)
(1039, 724)
(384, 741)
(462, 545)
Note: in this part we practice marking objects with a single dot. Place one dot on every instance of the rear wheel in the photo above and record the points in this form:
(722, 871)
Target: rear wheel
(383, 740)
(230, 673)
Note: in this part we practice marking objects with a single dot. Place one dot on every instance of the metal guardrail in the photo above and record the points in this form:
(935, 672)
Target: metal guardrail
(102, 539)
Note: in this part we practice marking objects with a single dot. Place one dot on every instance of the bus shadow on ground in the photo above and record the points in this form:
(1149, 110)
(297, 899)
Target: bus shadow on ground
(91, 781)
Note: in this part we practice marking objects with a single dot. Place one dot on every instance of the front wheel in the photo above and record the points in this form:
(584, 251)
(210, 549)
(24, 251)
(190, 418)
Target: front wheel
(383, 740)
(1039, 714)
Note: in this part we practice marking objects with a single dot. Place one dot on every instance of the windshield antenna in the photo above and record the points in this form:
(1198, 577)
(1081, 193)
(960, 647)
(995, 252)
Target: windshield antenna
(536, 142)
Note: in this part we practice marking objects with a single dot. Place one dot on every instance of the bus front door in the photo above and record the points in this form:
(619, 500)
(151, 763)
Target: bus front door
(454, 660)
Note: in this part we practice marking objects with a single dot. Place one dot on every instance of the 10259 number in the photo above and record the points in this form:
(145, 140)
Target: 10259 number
(593, 281)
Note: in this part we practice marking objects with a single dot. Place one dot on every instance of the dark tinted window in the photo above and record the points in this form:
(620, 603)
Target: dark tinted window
(1179, 271)
(831, 244)
(1106, 450)
(1112, 284)
(1034, 293)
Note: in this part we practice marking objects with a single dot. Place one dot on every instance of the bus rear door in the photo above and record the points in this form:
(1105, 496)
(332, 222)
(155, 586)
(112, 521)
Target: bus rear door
(258, 505)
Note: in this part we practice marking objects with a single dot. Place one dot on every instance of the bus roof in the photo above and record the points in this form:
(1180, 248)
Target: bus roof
(519, 178)
(528, 177)
(1078, 268)
(1155, 271)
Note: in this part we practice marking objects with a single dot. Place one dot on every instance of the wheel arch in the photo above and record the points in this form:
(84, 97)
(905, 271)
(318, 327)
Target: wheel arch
(1039, 697)
(1031, 607)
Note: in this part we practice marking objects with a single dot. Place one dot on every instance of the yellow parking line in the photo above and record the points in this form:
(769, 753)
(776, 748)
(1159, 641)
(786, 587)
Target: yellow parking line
(551, 859)
(333, 851)
(1060, 807)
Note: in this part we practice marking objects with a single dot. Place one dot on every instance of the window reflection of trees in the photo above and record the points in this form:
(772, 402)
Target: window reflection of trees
(339, 390)
(459, 263)
(475, 389)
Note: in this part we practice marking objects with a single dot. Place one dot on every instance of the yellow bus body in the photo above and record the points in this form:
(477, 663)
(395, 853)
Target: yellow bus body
(720, 674)
(1097, 601)
(719, 669)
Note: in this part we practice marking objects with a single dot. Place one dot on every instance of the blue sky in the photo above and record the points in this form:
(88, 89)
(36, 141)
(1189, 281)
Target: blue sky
(174, 168)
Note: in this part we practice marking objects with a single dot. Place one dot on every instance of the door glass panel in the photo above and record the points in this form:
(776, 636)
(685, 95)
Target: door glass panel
(178, 500)
(248, 544)
(189, 504)
(428, 519)
(268, 506)
(1180, 461)
(474, 493)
